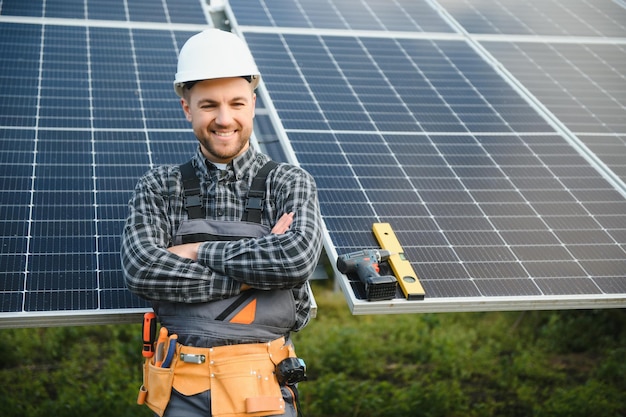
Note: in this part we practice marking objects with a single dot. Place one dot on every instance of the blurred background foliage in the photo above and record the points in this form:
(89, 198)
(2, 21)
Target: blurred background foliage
(534, 363)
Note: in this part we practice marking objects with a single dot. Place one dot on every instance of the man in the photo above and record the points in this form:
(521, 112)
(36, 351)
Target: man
(229, 291)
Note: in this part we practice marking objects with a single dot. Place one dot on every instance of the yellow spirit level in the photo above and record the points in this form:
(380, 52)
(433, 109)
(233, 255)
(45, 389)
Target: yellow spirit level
(410, 284)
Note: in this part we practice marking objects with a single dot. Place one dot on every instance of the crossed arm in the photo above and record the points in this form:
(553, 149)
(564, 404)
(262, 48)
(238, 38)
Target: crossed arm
(190, 250)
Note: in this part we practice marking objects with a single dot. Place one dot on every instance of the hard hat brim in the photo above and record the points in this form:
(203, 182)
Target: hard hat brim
(179, 87)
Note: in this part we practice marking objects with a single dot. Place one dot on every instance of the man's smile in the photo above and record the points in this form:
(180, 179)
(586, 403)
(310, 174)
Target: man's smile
(224, 134)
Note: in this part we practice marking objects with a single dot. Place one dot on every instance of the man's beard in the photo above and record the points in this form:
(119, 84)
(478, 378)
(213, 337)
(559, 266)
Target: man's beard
(221, 154)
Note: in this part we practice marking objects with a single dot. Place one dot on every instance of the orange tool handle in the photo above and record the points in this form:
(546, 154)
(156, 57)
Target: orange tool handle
(148, 334)
(162, 342)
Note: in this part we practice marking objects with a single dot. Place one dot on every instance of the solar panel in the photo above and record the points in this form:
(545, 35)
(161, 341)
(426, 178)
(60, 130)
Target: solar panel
(486, 175)
(490, 135)
(86, 110)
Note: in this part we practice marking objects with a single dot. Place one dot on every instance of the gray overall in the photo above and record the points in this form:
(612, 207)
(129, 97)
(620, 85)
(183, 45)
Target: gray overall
(209, 324)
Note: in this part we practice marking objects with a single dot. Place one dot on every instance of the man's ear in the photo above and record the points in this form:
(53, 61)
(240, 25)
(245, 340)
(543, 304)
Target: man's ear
(253, 104)
(185, 105)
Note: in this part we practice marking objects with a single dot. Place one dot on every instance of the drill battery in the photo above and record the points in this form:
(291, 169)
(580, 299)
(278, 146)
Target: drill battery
(380, 288)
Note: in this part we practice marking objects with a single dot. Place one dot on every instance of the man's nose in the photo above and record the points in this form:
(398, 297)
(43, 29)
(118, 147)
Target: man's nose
(224, 116)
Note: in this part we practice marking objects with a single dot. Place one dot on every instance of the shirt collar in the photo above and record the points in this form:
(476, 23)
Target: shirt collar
(241, 164)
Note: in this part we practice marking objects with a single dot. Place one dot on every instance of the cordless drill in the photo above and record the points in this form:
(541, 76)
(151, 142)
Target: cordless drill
(365, 264)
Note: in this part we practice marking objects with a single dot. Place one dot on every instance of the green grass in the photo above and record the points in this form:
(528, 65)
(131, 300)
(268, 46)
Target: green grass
(537, 363)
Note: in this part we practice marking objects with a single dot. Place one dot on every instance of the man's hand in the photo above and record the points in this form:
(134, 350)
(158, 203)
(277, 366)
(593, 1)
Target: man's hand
(186, 250)
(283, 224)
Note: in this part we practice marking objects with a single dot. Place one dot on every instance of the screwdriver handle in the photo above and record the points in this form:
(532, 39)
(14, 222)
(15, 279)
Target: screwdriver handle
(160, 347)
(148, 334)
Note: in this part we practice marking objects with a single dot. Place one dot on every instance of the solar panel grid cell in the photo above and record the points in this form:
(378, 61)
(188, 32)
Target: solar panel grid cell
(538, 17)
(18, 8)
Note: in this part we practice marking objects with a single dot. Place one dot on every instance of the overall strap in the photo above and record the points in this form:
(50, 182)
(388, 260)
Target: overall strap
(254, 199)
(256, 194)
(191, 187)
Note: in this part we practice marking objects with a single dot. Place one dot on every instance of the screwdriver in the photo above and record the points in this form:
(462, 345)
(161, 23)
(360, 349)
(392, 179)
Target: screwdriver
(160, 347)
(149, 334)
(170, 351)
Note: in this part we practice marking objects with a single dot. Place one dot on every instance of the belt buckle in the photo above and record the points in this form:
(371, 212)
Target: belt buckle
(192, 358)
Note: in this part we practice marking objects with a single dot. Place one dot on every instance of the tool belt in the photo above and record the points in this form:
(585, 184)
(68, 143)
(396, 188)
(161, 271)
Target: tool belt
(241, 378)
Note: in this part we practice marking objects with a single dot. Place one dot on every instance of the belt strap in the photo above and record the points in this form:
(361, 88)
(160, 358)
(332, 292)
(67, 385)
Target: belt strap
(277, 350)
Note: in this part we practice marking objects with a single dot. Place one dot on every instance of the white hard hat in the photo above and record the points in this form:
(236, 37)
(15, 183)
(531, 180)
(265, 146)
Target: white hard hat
(214, 53)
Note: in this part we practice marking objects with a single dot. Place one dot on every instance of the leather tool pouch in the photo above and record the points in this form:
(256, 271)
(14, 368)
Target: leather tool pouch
(245, 386)
(157, 387)
(241, 378)
(192, 378)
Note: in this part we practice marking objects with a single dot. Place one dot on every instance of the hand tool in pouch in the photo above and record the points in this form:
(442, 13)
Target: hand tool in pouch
(148, 334)
(160, 347)
(171, 350)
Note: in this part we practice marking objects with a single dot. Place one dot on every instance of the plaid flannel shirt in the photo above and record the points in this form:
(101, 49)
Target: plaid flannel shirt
(270, 262)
